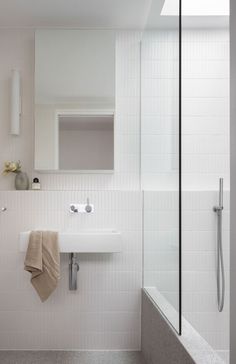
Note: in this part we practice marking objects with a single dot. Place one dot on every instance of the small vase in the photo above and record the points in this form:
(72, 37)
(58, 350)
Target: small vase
(21, 181)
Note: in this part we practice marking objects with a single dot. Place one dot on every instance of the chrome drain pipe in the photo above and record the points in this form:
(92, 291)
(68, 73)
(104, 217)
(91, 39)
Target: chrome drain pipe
(73, 269)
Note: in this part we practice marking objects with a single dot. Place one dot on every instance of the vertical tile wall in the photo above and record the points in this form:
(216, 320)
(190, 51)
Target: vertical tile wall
(17, 50)
(205, 108)
(160, 119)
(161, 243)
(199, 267)
(105, 311)
(161, 265)
(160, 110)
(205, 158)
(205, 147)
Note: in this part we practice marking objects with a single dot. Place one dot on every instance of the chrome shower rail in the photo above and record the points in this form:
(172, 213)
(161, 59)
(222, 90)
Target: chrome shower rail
(220, 259)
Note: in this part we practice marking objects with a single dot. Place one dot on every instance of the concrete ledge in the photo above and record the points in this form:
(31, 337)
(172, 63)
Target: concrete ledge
(160, 344)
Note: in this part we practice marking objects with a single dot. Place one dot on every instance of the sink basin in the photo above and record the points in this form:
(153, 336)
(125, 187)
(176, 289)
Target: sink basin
(102, 241)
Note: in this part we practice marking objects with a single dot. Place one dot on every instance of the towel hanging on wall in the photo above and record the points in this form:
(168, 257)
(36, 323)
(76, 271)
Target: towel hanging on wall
(43, 262)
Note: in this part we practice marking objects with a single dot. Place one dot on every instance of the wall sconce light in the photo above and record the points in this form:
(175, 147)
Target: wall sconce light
(15, 102)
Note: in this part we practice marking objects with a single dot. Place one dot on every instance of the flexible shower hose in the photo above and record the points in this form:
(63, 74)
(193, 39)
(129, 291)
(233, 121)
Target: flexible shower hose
(220, 264)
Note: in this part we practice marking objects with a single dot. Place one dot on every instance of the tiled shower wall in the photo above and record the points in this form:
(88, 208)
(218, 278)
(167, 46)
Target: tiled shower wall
(199, 267)
(161, 258)
(104, 313)
(17, 51)
(205, 158)
(205, 103)
(205, 114)
(160, 110)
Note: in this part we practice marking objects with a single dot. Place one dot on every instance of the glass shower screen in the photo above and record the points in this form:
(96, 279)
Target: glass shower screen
(161, 157)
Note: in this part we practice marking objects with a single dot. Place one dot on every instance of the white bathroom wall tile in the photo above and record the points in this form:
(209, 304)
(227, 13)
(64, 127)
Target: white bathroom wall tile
(209, 69)
(129, 124)
(209, 163)
(203, 179)
(17, 45)
(201, 261)
(159, 144)
(205, 158)
(199, 200)
(200, 88)
(109, 288)
(198, 220)
(162, 106)
(214, 35)
(159, 69)
(224, 354)
(161, 200)
(156, 50)
(108, 299)
(202, 321)
(127, 106)
(163, 125)
(199, 267)
(198, 255)
(160, 164)
(206, 107)
(167, 87)
(203, 240)
(194, 125)
(161, 220)
(204, 280)
(164, 240)
(16, 49)
(127, 144)
(205, 50)
(127, 87)
(167, 181)
(218, 340)
(201, 301)
(205, 144)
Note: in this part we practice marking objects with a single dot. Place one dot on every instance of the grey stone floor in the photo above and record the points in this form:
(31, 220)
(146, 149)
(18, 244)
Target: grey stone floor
(70, 357)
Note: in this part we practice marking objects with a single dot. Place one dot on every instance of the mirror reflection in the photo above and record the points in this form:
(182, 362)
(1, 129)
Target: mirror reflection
(74, 100)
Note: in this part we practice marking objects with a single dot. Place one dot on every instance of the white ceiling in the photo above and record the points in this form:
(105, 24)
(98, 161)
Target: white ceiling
(115, 14)
(105, 14)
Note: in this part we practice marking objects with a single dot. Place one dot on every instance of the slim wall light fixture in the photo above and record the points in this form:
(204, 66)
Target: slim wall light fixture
(15, 102)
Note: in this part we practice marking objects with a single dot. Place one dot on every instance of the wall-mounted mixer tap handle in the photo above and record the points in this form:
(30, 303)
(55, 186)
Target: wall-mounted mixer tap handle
(88, 207)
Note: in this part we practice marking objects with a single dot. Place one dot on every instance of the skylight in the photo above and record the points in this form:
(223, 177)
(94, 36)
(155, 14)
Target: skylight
(196, 7)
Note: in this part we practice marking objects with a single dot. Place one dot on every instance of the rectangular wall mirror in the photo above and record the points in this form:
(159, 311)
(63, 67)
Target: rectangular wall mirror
(74, 100)
(86, 141)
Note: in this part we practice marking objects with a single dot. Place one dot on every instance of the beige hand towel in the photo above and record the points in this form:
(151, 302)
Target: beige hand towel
(43, 262)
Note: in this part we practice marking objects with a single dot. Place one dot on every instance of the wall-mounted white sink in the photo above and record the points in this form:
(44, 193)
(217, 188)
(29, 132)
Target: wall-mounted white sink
(102, 241)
